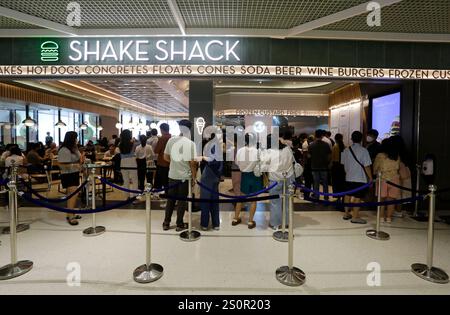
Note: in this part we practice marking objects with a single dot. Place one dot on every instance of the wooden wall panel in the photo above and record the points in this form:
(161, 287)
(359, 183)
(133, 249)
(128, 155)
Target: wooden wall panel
(30, 96)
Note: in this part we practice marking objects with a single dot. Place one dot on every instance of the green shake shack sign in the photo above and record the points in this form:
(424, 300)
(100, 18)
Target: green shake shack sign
(205, 57)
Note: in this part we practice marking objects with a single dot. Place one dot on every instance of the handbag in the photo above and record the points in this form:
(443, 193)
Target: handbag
(298, 168)
(363, 167)
(369, 194)
(257, 170)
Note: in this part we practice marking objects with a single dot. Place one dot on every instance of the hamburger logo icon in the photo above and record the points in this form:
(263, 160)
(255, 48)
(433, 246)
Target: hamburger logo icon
(49, 52)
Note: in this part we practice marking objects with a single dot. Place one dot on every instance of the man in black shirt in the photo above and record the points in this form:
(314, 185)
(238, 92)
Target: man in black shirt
(320, 153)
(373, 146)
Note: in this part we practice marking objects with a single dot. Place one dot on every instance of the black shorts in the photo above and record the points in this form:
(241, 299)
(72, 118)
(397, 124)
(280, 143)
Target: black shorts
(70, 180)
(352, 186)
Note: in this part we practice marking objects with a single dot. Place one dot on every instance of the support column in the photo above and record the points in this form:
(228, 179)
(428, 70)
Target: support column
(201, 102)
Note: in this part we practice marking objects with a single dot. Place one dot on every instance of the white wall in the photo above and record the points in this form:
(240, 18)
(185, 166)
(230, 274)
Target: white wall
(345, 120)
(272, 101)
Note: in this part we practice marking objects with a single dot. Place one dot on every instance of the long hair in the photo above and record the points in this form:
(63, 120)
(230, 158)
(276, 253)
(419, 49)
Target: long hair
(70, 141)
(125, 145)
(399, 143)
(390, 149)
(339, 138)
(143, 140)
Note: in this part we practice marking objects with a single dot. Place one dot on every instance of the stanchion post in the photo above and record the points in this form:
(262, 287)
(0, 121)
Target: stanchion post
(94, 230)
(377, 234)
(290, 275)
(149, 272)
(416, 204)
(190, 235)
(20, 227)
(15, 269)
(428, 272)
(282, 236)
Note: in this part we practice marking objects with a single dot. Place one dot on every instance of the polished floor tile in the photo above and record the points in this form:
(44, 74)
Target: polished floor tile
(333, 253)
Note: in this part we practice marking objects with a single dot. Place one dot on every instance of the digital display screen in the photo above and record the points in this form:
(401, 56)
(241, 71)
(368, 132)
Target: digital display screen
(386, 115)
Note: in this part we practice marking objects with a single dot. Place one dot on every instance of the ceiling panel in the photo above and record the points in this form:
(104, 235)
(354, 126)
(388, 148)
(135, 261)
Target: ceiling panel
(278, 86)
(144, 91)
(408, 16)
(101, 14)
(7, 23)
(258, 14)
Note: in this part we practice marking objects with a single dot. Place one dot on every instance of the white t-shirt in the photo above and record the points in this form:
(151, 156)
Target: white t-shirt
(66, 156)
(18, 160)
(328, 141)
(5, 155)
(277, 162)
(144, 152)
(287, 142)
(182, 151)
(354, 172)
(108, 154)
(247, 158)
(153, 141)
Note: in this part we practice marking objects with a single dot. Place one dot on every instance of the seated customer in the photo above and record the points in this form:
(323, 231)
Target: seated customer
(51, 151)
(17, 158)
(111, 152)
(90, 151)
(35, 161)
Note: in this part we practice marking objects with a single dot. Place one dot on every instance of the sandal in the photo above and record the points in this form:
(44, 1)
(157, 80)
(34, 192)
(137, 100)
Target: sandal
(251, 225)
(236, 222)
(78, 217)
(72, 221)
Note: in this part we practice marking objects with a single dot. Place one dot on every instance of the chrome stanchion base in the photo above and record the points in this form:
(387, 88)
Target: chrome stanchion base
(14, 271)
(434, 275)
(98, 230)
(291, 277)
(148, 274)
(19, 228)
(281, 237)
(380, 236)
(190, 237)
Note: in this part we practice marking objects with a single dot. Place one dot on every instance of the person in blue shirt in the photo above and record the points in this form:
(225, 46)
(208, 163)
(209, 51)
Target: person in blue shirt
(357, 163)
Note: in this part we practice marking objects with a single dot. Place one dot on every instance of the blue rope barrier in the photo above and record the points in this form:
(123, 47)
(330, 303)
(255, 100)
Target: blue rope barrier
(223, 200)
(4, 182)
(439, 191)
(406, 188)
(237, 197)
(57, 200)
(337, 195)
(131, 191)
(366, 204)
(140, 192)
(65, 210)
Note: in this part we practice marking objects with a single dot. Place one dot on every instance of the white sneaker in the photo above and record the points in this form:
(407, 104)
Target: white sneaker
(163, 205)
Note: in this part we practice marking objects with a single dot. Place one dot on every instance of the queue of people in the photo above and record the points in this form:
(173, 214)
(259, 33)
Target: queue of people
(327, 163)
